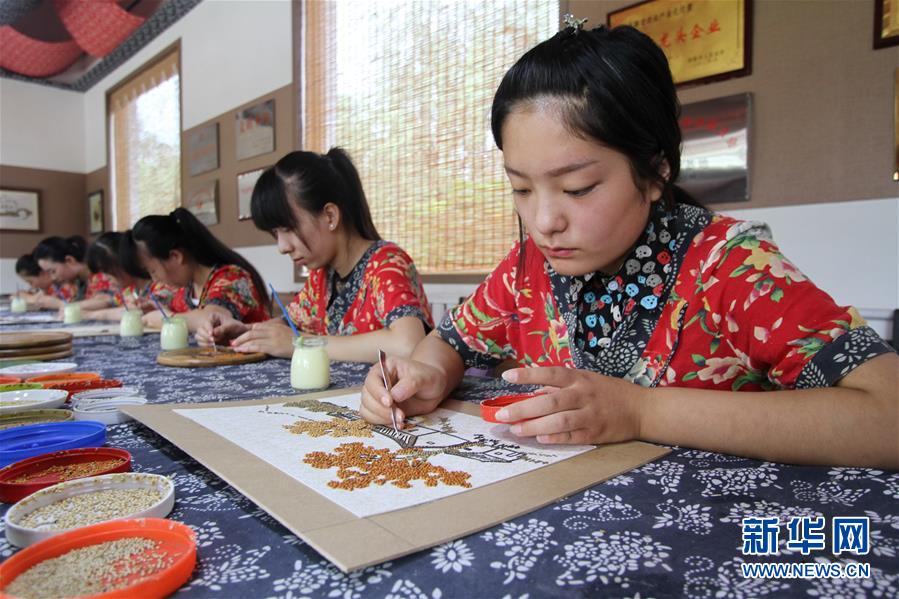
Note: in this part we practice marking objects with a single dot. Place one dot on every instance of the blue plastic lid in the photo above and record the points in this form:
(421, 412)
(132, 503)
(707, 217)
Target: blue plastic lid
(34, 439)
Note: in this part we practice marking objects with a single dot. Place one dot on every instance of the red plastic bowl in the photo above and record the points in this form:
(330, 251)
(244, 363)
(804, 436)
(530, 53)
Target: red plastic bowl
(489, 407)
(11, 492)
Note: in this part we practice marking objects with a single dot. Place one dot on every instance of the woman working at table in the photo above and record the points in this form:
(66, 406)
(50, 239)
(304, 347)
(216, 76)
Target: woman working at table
(109, 254)
(64, 260)
(622, 279)
(178, 250)
(42, 291)
(363, 293)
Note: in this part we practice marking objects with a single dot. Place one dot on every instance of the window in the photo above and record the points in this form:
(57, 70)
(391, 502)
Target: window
(406, 88)
(145, 142)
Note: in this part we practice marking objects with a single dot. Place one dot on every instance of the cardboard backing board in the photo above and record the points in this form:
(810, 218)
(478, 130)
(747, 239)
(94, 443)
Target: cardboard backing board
(205, 357)
(29, 339)
(351, 542)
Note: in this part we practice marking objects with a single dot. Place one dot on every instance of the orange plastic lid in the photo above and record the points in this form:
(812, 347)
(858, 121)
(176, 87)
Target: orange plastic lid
(177, 542)
(66, 377)
(489, 407)
(9, 380)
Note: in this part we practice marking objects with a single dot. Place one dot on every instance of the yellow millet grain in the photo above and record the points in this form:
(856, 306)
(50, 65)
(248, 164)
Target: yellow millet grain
(89, 508)
(95, 569)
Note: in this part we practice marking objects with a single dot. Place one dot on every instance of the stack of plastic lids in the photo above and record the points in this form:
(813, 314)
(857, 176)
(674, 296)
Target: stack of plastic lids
(104, 405)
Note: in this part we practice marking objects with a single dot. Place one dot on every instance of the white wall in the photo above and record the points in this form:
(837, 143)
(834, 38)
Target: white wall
(272, 266)
(41, 127)
(231, 52)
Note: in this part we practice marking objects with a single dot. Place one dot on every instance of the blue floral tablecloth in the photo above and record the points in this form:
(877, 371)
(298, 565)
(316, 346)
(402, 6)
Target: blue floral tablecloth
(672, 528)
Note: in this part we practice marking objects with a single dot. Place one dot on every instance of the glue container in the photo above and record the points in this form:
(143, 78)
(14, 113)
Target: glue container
(310, 367)
(17, 304)
(174, 333)
(131, 324)
(71, 313)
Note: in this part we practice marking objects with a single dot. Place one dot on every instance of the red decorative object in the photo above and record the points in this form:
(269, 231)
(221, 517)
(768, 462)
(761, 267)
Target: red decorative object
(34, 58)
(97, 26)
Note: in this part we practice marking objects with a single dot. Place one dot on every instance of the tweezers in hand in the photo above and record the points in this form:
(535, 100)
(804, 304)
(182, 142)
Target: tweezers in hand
(382, 357)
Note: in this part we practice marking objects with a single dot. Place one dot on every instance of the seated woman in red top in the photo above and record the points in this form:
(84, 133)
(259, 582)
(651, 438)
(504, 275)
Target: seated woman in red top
(114, 254)
(41, 290)
(179, 251)
(64, 259)
(363, 293)
(641, 314)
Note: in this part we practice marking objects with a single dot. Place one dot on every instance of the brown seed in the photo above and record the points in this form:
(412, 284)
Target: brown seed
(70, 471)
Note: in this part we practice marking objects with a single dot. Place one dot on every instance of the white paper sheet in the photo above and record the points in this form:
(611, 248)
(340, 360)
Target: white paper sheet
(471, 451)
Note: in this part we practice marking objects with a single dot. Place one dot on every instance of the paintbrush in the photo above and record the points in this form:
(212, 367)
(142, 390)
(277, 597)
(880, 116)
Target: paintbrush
(158, 306)
(382, 362)
(284, 310)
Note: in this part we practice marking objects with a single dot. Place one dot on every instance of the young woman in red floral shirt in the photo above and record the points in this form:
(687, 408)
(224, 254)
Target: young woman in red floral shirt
(640, 314)
(41, 289)
(362, 293)
(107, 254)
(178, 250)
(64, 260)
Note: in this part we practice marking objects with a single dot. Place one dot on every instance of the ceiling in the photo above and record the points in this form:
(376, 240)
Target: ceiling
(73, 44)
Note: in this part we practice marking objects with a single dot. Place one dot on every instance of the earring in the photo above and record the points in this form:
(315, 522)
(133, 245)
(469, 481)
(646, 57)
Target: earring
(331, 226)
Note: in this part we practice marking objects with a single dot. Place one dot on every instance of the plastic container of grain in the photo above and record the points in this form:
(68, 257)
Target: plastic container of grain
(172, 557)
(88, 501)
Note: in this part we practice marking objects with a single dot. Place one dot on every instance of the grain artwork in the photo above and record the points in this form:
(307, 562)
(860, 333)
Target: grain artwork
(372, 469)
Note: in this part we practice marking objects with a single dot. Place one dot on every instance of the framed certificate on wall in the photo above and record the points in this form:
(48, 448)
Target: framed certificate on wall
(704, 40)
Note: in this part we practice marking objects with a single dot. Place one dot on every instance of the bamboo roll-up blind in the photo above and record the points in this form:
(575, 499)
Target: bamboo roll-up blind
(145, 128)
(406, 88)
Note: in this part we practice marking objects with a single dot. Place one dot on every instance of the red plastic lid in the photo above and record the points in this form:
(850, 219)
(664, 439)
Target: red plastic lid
(34, 470)
(489, 407)
(177, 542)
(63, 377)
(79, 386)
(9, 380)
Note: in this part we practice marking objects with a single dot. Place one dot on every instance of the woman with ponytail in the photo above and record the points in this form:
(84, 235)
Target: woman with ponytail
(113, 253)
(637, 313)
(363, 293)
(178, 250)
(64, 260)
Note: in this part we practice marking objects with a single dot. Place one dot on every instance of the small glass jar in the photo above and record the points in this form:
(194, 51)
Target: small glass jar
(71, 313)
(18, 304)
(131, 324)
(310, 367)
(173, 334)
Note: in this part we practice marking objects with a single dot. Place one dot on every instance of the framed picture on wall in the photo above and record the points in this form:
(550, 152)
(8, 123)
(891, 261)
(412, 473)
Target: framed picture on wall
(704, 40)
(95, 212)
(715, 157)
(20, 210)
(254, 130)
(203, 149)
(896, 126)
(202, 200)
(245, 184)
(886, 23)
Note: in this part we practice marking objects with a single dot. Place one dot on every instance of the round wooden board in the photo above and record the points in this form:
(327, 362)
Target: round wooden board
(204, 357)
(48, 356)
(23, 339)
(27, 352)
